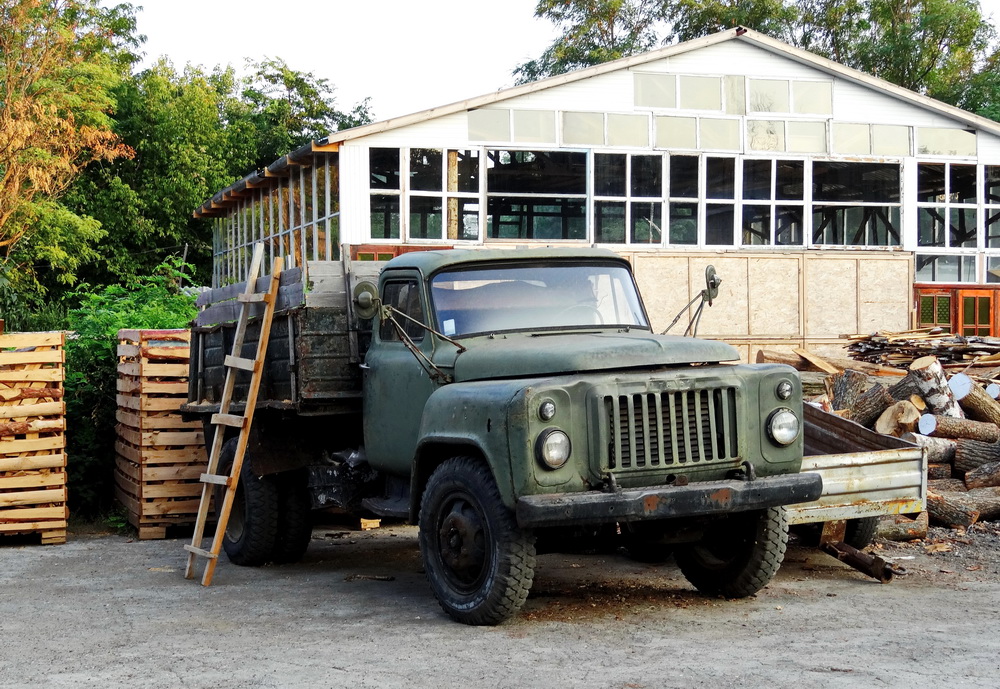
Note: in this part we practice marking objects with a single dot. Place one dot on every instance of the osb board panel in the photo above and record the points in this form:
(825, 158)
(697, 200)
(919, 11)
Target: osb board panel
(831, 297)
(664, 284)
(728, 314)
(885, 288)
(775, 302)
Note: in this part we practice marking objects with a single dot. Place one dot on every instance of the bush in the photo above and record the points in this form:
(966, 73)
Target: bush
(152, 302)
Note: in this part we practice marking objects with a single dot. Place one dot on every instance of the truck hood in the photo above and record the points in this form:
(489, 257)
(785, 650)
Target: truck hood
(517, 355)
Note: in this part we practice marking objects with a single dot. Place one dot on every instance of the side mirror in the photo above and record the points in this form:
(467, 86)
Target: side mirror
(712, 282)
(366, 301)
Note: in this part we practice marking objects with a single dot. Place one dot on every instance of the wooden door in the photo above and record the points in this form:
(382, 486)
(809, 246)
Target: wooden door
(975, 312)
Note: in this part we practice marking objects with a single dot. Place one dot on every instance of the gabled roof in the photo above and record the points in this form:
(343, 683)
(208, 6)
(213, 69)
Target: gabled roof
(279, 168)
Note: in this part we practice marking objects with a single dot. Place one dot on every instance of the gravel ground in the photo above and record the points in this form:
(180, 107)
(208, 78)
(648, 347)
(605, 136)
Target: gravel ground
(107, 611)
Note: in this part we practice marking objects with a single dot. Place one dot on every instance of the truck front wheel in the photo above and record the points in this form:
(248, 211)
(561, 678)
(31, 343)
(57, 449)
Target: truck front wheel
(251, 532)
(479, 563)
(737, 556)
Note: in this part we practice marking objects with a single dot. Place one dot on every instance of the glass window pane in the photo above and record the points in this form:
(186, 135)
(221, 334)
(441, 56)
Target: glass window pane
(489, 125)
(701, 93)
(609, 174)
(930, 227)
(646, 222)
(655, 90)
(856, 225)
(847, 182)
(790, 182)
(812, 97)
(463, 218)
(768, 95)
(890, 140)
(383, 165)
(962, 183)
(963, 227)
(609, 222)
(676, 132)
(720, 180)
(647, 176)
(948, 142)
(992, 184)
(766, 135)
(851, 138)
(684, 176)
(789, 228)
(807, 137)
(757, 179)
(425, 217)
(720, 134)
(926, 311)
(537, 172)
(984, 311)
(683, 223)
(463, 171)
(536, 218)
(535, 126)
(930, 183)
(756, 225)
(583, 128)
(404, 296)
(968, 310)
(628, 130)
(719, 224)
(425, 169)
(993, 269)
(992, 228)
(384, 216)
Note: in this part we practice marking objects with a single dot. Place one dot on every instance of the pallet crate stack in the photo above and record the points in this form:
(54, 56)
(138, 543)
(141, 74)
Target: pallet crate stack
(33, 436)
(160, 456)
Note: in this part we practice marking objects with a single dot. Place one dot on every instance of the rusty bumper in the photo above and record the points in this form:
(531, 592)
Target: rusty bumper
(665, 502)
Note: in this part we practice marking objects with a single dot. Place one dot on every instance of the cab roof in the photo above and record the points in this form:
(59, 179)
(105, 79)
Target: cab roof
(429, 262)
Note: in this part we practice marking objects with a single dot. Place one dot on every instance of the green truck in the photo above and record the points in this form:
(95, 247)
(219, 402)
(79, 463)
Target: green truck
(503, 400)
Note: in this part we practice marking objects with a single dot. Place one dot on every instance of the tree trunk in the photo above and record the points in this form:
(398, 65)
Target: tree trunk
(948, 511)
(938, 471)
(976, 402)
(905, 388)
(870, 405)
(933, 387)
(972, 454)
(950, 427)
(986, 501)
(845, 388)
(900, 418)
(939, 450)
(901, 527)
(983, 476)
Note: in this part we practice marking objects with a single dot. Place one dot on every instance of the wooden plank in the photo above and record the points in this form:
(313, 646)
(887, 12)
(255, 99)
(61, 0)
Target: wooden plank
(180, 472)
(163, 438)
(39, 480)
(24, 514)
(43, 375)
(170, 507)
(288, 277)
(130, 384)
(31, 497)
(164, 370)
(817, 361)
(35, 409)
(172, 334)
(10, 427)
(169, 490)
(149, 403)
(19, 340)
(128, 350)
(44, 356)
(130, 469)
(18, 527)
(144, 421)
(191, 454)
(10, 447)
(166, 352)
(32, 462)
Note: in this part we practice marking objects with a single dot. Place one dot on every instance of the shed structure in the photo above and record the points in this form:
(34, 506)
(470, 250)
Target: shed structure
(830, 201)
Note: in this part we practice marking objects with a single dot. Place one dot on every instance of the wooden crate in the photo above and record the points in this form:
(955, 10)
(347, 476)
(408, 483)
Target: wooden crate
(159, 455)
(33, 436)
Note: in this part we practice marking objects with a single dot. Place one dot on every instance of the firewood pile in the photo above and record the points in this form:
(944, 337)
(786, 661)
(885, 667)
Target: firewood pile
(955, 415)
(900, 349)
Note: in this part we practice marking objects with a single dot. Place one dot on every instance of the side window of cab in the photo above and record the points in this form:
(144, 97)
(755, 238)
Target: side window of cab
(403, 296)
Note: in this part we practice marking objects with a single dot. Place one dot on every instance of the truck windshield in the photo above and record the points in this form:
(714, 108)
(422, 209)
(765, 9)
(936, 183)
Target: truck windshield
(489, 300)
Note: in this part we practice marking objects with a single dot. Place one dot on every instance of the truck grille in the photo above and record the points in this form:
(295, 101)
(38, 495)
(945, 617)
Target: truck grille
(671, 428)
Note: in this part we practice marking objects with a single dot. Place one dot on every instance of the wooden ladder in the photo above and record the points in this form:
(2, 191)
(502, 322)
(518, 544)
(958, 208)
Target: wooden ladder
(234, 363)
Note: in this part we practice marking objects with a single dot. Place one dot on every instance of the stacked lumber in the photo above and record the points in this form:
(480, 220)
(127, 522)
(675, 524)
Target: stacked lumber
(900, 349)
(160, 456)
(33, 436)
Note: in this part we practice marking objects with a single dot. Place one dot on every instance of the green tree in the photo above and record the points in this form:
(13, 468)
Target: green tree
(690, 19)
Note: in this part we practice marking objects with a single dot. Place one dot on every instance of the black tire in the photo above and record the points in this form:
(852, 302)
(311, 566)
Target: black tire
(294, 529)
(252, 528)
(480, 565)
(860, 533)
(738, 556)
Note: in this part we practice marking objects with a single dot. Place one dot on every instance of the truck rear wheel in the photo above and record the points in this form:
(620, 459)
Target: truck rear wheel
(294, 528)
(251, 532)
(480, 565)
(861, 532)
(738, 556)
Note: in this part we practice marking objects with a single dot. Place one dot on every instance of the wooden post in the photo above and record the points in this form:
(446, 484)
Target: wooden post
(933, 387)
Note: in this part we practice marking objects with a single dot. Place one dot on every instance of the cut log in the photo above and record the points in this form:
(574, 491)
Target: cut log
(900, 418)
(905, 388)
(902, 527)
(947, 510)
(938, 471)
(986, 501)
(983, 476)
(870, 405)
(933, 387)
(14, 394)
(845, 388)
(918, 402)
(774, 356)
(993, 390)
(974, 399)
(37, 426)
(972, 454)
(817, 361)
(950, 427)
(947, 485)
(939, 450)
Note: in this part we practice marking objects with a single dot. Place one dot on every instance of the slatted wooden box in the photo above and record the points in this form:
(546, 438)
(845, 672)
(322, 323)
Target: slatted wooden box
(33, 436)
(159, 455)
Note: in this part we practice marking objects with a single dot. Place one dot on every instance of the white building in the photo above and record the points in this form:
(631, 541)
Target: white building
(830, 201)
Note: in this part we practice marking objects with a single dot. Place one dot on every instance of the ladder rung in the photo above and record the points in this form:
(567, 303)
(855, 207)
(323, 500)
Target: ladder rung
(234, 420)
(217, 479)
(253, 297)
(240, 363)
(200, 551)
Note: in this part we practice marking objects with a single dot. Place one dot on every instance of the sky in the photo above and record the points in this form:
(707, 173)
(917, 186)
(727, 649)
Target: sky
(407, 55)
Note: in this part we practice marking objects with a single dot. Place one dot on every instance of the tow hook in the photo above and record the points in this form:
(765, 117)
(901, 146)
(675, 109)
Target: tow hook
(872, 565)
(611, 484)
(746, 472)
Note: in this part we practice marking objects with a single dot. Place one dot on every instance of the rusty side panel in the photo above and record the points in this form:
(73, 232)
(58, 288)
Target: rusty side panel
(323, 350)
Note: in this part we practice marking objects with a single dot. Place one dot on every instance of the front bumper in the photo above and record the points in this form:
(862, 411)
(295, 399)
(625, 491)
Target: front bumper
(666, 502)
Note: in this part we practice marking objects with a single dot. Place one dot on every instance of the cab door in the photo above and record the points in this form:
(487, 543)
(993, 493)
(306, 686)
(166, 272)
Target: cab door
(396, 386)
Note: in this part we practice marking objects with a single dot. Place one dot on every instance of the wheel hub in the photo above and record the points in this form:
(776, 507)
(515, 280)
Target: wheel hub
(461, 543)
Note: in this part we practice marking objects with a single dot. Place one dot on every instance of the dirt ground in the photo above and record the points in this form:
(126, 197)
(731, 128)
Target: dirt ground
(108, 611)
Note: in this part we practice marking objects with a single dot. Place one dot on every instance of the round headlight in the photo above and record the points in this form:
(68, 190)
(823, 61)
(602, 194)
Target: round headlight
(546, 410)
(784, 390)
(783, 426)
(553, 448)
